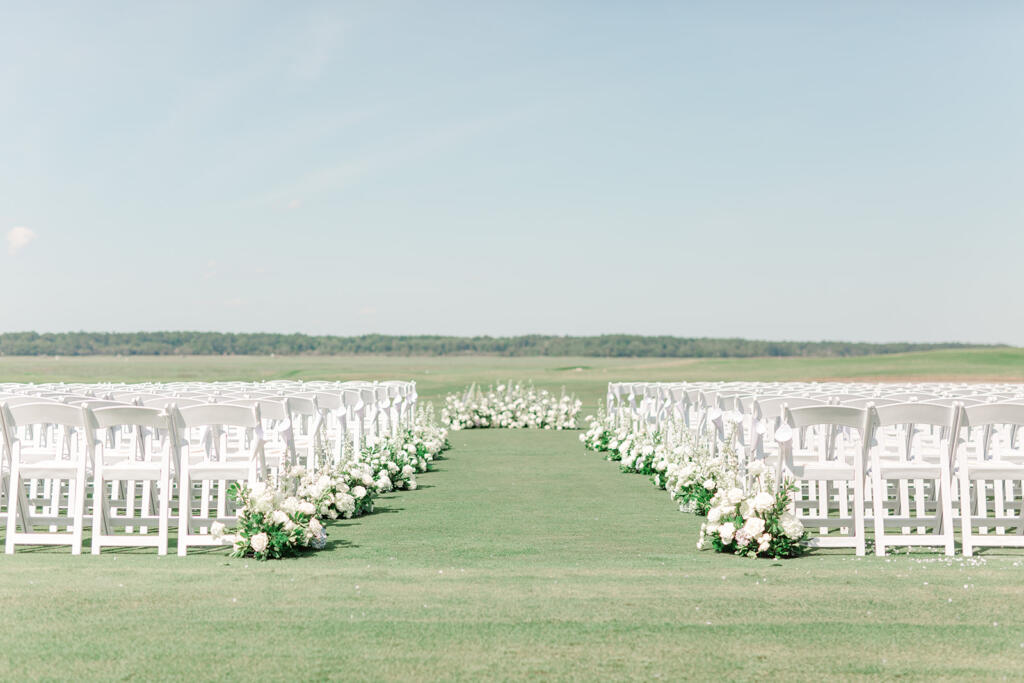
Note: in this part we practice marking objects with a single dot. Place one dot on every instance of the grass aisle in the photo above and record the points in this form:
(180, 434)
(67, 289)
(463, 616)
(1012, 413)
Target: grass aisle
(523, 555)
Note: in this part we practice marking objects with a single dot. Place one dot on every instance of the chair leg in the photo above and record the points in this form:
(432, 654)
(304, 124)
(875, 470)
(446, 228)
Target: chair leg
(965, 516)
(99, 505)
(79, 514)
(858, 514)
(946, 507)
(13, 506)
(878, 496)
(998, 509)
(904, 487)
(164, 516)
(184, 514)
(981, 493)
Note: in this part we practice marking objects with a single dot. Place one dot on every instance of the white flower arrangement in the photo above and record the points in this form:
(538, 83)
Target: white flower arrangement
(696, 471)
(600, 432)
(270, 524)
(384, 464)
(511, 406)
(329, 494)
(754, 524)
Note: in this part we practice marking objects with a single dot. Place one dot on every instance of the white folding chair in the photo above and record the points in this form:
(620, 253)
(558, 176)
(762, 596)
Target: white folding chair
(153, 447)
(991, 467)
(914, 463)
(831, 464)
(63, 456)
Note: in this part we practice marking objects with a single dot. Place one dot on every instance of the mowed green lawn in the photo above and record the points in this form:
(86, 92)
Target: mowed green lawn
(523, 555)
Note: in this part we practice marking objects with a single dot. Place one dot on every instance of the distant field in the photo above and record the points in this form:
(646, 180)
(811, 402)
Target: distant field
(586, 376)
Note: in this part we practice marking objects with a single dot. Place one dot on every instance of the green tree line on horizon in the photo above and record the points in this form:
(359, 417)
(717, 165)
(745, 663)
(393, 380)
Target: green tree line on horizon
(608, 345)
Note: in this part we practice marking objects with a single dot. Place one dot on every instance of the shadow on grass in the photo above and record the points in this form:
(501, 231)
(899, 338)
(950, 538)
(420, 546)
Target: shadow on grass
(339, 543)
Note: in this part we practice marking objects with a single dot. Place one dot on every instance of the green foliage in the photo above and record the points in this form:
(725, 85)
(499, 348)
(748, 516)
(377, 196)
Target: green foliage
(697, 497)
(609, 345)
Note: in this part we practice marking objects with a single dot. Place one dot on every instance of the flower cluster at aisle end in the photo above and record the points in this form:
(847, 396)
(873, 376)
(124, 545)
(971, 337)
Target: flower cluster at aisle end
(759, 525)
(271, 525)
(511, 406)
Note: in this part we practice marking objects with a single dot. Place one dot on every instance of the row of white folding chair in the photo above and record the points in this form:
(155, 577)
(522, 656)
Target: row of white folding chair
(931, 502)
(913, 465)
(633, 393)
(76, 456)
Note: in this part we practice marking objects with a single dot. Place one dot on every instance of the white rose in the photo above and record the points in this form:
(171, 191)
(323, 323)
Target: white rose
(264, 502)
(791, 526)
(735, 496)
(359, 492)
(279, 517)
(307, 508)
(754, 526)
(714, 515)
(259, 542)
(709, 484)
(315, 526)
(217, 531)
(726, 531)
(764, 501)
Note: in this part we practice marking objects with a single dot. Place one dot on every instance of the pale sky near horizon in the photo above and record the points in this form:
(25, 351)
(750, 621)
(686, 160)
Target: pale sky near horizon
(785, 170)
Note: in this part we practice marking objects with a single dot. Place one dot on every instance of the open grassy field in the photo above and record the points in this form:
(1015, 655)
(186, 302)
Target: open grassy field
(588, 377)
(523, 555)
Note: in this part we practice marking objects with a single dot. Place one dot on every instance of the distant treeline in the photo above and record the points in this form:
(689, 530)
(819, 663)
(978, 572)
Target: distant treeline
(609, 345)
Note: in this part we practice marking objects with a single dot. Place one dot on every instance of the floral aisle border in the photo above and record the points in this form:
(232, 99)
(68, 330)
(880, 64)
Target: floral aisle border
(746, 513)
(511, 406)
(284, 517)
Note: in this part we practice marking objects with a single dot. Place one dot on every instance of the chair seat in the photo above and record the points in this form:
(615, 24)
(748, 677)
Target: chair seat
(910, 470)
(995, 469)
(827, 470)
(131, 470)
(220, 470)
(48, 469)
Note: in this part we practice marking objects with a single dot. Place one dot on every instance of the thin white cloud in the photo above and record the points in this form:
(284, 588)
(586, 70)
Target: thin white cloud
(316, 47)
(18, 238)
(397, 154)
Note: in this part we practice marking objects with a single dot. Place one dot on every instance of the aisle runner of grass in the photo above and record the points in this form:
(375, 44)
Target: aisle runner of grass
(522, 555)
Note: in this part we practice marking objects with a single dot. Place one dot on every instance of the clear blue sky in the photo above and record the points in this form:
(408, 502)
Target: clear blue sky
(800, 170)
